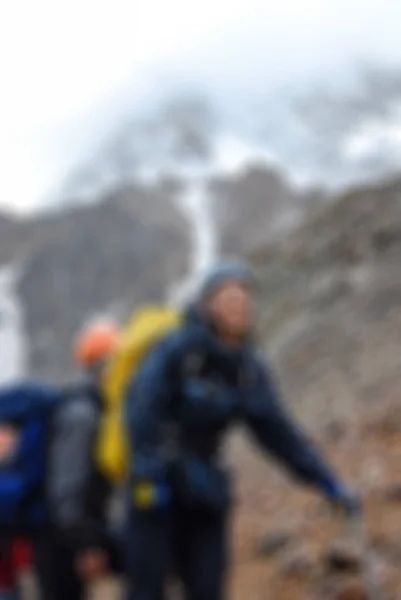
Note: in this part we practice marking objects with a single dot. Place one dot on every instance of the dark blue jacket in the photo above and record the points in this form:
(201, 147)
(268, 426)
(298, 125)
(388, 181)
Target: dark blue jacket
(26, 407)
(20, 401)
(192, 388)
(52, 479)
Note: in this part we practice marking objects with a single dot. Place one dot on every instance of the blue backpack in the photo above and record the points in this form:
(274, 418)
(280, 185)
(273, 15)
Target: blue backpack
(22, 478)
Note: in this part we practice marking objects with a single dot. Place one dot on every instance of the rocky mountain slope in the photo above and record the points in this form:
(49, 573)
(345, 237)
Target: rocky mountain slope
(255, 205)
(93, 259)
(331, 293)
(130, 245)
(331, 322)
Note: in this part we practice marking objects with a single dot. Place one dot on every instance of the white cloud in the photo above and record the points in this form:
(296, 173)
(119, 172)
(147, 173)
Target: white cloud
(373, 134)
(68, 68)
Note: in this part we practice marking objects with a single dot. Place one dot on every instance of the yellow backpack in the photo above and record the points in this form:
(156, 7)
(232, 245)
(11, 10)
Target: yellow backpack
(144, 329)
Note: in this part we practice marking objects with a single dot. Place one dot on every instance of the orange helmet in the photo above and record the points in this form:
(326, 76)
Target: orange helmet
(96, 343)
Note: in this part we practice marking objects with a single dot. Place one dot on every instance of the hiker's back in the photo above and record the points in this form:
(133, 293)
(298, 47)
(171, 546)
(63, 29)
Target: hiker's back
(23, 451)
(76, 494)
(73, 478)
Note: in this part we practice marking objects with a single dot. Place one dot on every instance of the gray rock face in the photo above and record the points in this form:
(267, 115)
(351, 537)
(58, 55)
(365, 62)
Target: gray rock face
(325, 289)
(254, 206)
(110, 256)
(129, 247)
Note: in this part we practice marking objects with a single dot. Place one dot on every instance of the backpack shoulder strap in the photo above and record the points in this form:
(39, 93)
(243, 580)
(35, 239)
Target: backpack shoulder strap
(248, 372)
(193, 363)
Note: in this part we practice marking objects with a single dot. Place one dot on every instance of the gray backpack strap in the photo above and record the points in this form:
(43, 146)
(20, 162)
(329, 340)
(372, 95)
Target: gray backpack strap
(247, 375)
(193, 364)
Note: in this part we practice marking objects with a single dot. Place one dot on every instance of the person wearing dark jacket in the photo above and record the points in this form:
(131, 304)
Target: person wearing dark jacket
(191, 388)
(74, 547)
(71, 543)
(23, 444)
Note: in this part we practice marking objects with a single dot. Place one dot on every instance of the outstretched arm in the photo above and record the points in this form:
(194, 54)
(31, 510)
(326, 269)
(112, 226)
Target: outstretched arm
(277, 433)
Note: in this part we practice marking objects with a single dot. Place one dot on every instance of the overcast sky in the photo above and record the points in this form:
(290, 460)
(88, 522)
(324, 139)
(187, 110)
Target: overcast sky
(70, 68)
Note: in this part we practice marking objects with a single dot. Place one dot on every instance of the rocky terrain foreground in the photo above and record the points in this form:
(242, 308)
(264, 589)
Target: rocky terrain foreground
(331, 322)
(289, 546)
(287, 543)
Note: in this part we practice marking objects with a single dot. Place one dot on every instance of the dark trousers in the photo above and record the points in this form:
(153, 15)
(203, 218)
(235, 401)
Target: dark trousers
(55, 570)
(192, 545)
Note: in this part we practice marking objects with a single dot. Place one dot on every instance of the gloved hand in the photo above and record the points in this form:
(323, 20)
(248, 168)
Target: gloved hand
(343, 499)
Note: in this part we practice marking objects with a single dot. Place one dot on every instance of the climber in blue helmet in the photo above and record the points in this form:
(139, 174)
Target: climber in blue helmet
(201, 379)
